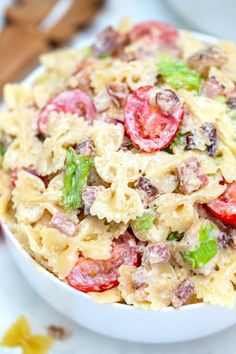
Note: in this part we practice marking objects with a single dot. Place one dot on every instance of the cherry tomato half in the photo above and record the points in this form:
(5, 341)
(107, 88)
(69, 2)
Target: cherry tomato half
(149, 126)
(74, 101)
(97, 275)
(224, 207)
(156, 31)
(156, 36)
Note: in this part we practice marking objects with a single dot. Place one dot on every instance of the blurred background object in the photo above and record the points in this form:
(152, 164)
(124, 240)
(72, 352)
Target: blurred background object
(38, 25)
(32, 27)
(216, 17)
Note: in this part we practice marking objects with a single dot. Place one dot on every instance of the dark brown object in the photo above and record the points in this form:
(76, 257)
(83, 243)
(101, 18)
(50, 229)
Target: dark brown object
(22, 40)
(58, 333)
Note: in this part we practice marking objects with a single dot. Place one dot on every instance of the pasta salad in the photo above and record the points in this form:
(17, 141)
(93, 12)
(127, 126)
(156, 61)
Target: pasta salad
(118, 167)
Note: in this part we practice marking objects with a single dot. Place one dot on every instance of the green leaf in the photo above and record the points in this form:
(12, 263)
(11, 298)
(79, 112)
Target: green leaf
(144, 222)
(174, 237)
(178, 75)
(2, 150)
(205, 250)
(104, 56)
(76, 173)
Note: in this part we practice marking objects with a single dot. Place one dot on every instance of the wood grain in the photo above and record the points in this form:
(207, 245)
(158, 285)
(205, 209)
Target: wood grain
(20, 48)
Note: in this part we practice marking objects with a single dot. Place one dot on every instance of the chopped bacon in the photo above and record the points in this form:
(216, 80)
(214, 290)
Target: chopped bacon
(212, 88)
(86, 148)
(146, 190)
(231, 103)
(182, 292)
(166, 100)
(139, 277)
(89, 196)
(109, 41)
(203, 60)
(58, 333)
(118, 93)
(202, 138)
(156, 253)
(63, 224)
(211, 133)
(80, 79)
(190, 176)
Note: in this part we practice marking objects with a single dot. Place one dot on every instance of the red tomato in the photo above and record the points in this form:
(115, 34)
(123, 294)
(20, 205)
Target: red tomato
(156, 31)
(149, 127)
(74, 101)
(156, 36)
(225, 206)
(95, 275)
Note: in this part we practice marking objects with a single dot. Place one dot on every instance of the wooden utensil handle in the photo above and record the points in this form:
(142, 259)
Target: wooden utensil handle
(19, 48)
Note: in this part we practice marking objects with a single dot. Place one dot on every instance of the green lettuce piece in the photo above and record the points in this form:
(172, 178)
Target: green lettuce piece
(76, 173)
(204, 251)
(177, 74)
(2, 150)
(104, 56)
(144, 222)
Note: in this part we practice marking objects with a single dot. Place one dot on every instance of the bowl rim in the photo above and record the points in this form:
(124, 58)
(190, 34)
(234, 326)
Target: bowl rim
(8, 233)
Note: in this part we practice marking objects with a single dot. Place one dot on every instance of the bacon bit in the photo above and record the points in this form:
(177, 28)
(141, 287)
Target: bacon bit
(89, 196)
(86, 148)
(109, 41)
(212, 88)
(211, 132)
(190, 177)
(182, 293)
(156, 253)
(118, 93)
(127, 144)
(58, 333)
(223, 240)
(80, 79)
(102, 101)
(202, 61)
(63, 224)
(166, 100)
(139, 277)
(146, 190)
(231, 103)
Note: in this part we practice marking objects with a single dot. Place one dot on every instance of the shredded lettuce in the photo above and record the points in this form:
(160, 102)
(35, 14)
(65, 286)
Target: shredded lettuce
(177, 74)
(144, 222)
(76, 173)
(204, 251)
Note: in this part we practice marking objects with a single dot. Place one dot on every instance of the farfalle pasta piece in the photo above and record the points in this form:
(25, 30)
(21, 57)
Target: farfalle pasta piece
(181, 207)
(203, 109)
(137, 73)
(31, 198)
(226, 163)
(17, 95)
(5, 195)
(229, 67)
(107, 297)
(218, 287)
(190, 44)
(118, 203)
(107, 137)
(64, 129)
(162, 280)
(121, 166)
(127, 288)
(25, 148)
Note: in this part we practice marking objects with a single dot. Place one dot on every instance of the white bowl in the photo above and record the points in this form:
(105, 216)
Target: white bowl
(120, 321)
(211, 16)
